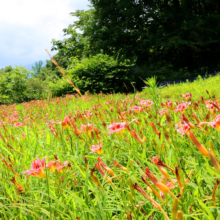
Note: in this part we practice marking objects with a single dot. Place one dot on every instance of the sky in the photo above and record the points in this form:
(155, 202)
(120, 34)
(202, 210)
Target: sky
(27, 28)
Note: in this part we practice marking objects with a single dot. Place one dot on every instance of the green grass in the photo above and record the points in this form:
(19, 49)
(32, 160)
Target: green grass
(74, 192)
(197, 88)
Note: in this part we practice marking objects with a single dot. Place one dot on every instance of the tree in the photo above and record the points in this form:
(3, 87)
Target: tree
(50, 72)
(37, 67)
(181, 34)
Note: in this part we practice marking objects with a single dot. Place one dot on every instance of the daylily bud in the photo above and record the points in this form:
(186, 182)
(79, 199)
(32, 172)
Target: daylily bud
(9, 167)
(200, 147)
(95, 178)
(155, 129)
(131, 185)
(120, 166)
(213, 193)
(175, 209)
(152, 189)
(157, 183)
(188, 178)
(180, 215)
(211, 145)
(168, 118)
(105, 167)
(17, 185)
(177, 172)
(186, 120)
(214, 161)
(130, 196)
(154, 203)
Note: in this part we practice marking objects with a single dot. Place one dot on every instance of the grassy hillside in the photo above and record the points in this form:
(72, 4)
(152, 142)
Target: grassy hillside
(113, 156)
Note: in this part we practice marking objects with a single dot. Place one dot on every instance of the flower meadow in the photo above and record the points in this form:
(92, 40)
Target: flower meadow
(110, 157)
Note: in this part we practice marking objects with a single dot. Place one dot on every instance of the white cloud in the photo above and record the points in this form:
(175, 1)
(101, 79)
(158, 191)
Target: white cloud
(28, 27)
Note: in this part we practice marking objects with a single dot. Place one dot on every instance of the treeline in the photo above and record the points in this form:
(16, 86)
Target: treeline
(116, 43)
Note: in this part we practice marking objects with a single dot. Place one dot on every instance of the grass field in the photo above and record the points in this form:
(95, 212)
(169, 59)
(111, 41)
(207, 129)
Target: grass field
(113, 156)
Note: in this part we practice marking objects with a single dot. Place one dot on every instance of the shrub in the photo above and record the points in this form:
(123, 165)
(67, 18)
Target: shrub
(13, 84)
(99, 73)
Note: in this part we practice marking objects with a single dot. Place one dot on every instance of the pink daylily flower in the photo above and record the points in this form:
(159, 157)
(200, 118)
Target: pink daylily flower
(182, 128)
(137, 109)
(117, 127)
(97, 149)
(37, 168)
(215, 124)
(19, 124)
(187, 96)
(181, 107)
(146, 103)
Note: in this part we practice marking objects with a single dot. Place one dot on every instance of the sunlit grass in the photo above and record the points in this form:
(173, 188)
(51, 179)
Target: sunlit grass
(142, 135)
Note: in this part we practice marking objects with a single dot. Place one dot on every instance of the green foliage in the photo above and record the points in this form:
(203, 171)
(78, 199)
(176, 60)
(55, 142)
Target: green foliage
(50, 72)
(100, 73)
(17, 86)
(36, 89)
(13, 85)
(196, 88)
(77, 44)
(37, 67)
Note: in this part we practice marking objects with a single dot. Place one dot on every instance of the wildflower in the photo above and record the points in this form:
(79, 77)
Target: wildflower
(216, 123)
(89, 129)
(180, 215)
(117, 128)
(213, 193)
(137, 109)
(65, 121)
(182, 128)
(168, 118)
(146, 103)
(19, 124)
(97, 149)
(37, 168)
(187, 96)
(175, 209)
(163, 111)
(181, 107)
